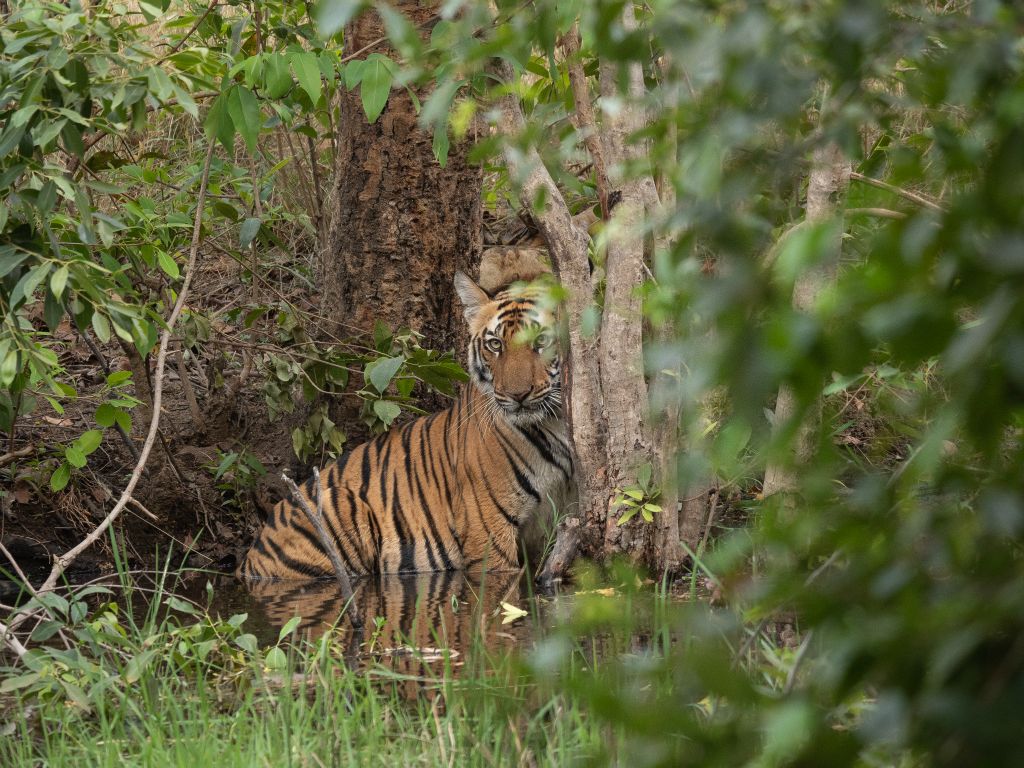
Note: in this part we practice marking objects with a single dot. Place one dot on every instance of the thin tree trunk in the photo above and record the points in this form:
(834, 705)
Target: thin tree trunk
(630, 437)
(826, 185)
(568, 245)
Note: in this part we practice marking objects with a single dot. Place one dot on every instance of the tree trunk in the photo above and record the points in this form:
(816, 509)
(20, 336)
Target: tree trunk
(826, 185)
(400, 224)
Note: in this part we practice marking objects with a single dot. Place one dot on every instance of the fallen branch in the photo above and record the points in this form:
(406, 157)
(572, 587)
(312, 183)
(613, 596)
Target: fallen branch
(904, 193)
(317, 520)
(21, 453)
(12, 642)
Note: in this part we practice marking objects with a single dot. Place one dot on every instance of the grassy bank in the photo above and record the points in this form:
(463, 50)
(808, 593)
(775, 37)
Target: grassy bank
(177, 687)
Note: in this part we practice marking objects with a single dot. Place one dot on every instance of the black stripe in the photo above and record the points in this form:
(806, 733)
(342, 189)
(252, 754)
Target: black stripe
(289, 562)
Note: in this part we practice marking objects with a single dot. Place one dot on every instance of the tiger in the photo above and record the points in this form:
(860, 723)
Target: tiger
(448, 491)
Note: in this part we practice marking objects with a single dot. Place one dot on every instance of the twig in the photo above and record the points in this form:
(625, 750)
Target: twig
(17, 569)
(177, 46)
(61, 564)
(21, 453)
(316, 518)
(881, 213)
(800, 654)
(12, 642)
(186, 387)
(904, 193)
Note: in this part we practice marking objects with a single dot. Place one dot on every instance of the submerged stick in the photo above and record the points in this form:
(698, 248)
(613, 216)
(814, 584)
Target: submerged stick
(316, 518)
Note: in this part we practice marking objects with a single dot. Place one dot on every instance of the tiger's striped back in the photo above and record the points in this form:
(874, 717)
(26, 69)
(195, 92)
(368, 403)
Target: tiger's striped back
(447, 491)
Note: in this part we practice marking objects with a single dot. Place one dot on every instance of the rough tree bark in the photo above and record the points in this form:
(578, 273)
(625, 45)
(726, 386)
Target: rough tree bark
(826, 185)
(401, 225)
(606, 388)
(623, 386)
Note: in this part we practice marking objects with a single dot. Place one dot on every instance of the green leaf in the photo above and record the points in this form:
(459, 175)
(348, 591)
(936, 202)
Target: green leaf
(89, 441)
(10, 259)
(137, 665)
(105, 415)
(101, 326)
(247, 643)
(380, 372)
(182, 606)
(441, 146)
(58, 280)
(332, 15)
(17, 683)
(53, 311)
(167, 264)
(376, 85)
(307, 72)
(633, 493)
(275, 659)
(248, 231)
(75, 457)
(386, 411)
(28, 283)
(218, 121)
(59, 479)
(289, 627)
(244, 109)
(279, 80)
(118, 377)
(626, 516)
(354, 73)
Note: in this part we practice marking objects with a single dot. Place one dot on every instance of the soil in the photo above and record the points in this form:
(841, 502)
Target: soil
(179, 511)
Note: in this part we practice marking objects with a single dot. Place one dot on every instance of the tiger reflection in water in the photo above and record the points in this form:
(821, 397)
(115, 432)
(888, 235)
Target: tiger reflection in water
(422, 615)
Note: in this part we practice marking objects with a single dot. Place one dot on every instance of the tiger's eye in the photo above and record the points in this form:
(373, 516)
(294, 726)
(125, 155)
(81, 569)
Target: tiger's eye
(543, 340)
(493, 344)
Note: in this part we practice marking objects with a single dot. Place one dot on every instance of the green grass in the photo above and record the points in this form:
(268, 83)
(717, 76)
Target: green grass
(172, 686)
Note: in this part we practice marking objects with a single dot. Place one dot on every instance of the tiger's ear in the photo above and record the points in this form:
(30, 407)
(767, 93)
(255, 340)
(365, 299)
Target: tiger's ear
(471, 295)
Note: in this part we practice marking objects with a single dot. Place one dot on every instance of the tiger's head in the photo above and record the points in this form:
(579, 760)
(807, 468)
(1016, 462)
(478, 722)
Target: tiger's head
(514, 357)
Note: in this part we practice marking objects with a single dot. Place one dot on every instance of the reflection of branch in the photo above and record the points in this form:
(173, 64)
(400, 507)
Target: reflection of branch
(914, 197)
(317, 520)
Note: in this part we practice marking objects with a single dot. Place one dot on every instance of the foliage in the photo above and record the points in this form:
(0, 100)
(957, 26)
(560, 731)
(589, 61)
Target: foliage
(915, 553)
(639, 498)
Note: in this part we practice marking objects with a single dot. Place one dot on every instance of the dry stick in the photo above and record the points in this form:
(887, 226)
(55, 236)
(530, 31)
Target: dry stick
(904, 193)
(61, 564)
(17, 569)
(316, 518)
(21, 453)
(881, 213)
(178, 46)
(186, 387)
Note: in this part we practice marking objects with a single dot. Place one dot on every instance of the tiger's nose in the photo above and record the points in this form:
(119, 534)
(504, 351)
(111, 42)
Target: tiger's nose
(520, 395)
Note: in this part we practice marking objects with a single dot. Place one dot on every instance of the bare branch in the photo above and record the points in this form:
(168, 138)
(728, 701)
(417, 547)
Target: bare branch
(61, 563)
(12, 642)
(317, 520)
(21, 453)
(906, 194)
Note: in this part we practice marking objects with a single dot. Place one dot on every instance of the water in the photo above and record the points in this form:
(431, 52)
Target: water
(446, 610)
